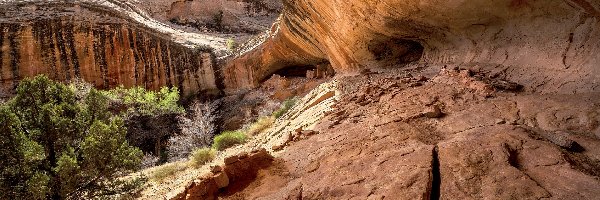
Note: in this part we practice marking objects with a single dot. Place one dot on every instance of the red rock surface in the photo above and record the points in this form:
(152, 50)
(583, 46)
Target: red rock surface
(490, 143)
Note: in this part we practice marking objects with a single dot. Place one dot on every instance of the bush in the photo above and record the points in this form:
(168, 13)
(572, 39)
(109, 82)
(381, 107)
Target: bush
(196, 131)
(149, 160)
(165, 171)
(260, 125)
(202, 156)
(230, 44)
(285, 107)
(228, 139)
(54, 145)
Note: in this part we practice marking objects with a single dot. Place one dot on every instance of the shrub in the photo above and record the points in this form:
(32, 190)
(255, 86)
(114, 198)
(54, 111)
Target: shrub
(228, 139)
(165, 171)
(230, 44)
(196, 131)
(149, 160)
(201, 156)
(260, 125)
(56, 146)
(285, 107)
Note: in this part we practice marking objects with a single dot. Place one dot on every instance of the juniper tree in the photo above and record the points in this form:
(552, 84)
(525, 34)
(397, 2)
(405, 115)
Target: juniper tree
(56, 146)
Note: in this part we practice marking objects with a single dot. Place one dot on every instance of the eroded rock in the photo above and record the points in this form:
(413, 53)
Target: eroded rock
(99, 43)
(544, 46)
(237, 172)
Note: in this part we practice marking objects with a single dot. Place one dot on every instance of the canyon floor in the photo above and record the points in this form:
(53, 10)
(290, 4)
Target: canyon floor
(413, 133)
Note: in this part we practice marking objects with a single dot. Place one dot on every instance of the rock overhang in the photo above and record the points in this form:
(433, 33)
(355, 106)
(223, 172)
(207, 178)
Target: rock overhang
(521, 37)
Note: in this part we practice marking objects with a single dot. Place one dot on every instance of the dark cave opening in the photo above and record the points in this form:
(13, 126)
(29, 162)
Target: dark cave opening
(318, 71)
(295, 71)
(388, 51)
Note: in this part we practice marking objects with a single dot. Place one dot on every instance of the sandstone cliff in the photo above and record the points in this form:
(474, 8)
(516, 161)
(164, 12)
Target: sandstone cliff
(107, 44)
(548, 46)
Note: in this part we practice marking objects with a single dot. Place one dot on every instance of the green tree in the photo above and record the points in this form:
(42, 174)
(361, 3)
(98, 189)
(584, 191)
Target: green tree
(56, 146)
(140, 101)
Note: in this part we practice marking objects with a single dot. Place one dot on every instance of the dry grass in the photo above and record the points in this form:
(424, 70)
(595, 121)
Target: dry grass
(166, 171)
(260, 125)
(201, 156)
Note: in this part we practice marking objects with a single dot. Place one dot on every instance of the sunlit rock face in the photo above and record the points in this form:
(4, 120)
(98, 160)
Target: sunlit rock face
(227, 16)
(98, 44)
(548, 46)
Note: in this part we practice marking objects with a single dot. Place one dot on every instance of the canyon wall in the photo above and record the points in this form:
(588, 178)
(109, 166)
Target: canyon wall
(547, 46)
(92, 42)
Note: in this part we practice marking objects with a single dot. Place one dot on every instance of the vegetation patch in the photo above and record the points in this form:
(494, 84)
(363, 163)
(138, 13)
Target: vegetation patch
(285, 107)
(165, 171)
(55, 144)
(231, 45)
(139, 101)
(262, 124)
(228, 139)
(197, 130)
(202, 156)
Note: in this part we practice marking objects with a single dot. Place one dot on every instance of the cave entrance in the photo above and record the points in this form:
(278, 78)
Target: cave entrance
(391, 52)
(318, 71)
(296, 71)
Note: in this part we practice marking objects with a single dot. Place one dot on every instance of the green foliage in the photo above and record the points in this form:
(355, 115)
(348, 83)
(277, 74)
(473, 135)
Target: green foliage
(54, 145)
(38, 185)
(202, 156)
(285, 107)
(123, 188)
(228, 139)
(67, 165)
(230, 44)
(140, 101)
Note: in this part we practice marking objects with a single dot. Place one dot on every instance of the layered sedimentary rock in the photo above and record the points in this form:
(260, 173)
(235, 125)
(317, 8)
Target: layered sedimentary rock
(548, 46)
(98, 44)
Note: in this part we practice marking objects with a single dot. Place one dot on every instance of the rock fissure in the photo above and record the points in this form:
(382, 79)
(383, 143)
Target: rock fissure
(436, 180)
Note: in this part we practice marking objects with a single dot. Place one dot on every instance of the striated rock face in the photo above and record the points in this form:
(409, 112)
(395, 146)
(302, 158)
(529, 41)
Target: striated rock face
(546, 46)
(98, 44)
